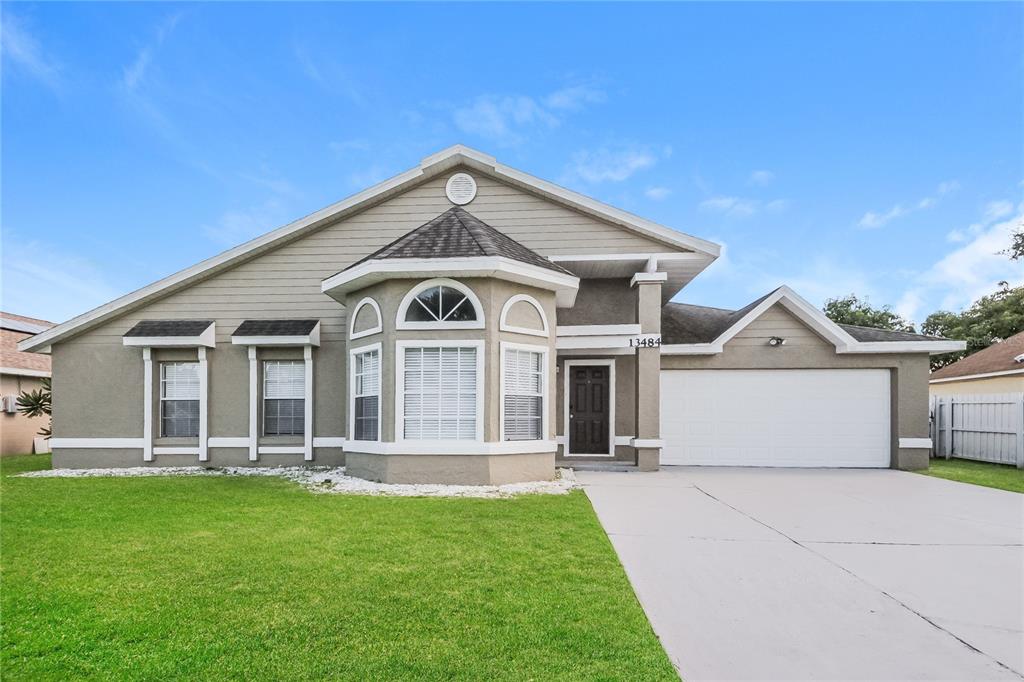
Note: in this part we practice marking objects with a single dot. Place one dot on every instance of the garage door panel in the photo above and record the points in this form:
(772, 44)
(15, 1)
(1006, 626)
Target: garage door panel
(804, 418)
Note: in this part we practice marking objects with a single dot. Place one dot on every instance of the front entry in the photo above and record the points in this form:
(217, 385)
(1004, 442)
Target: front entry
(589, 418)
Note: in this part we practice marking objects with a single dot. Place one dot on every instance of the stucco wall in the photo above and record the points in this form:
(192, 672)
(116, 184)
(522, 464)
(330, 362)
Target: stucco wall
(16, 430)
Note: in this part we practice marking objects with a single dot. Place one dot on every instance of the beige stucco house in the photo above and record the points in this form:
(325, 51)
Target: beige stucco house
(20, 372)
(996, 369)
(466, 322)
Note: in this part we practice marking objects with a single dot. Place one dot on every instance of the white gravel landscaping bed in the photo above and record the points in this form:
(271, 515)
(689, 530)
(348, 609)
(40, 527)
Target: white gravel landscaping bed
(333, 480)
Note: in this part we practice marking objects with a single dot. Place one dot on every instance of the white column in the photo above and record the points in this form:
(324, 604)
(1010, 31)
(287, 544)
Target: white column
(254, 412)
(307, 447)
(204, 403)
(147, 404)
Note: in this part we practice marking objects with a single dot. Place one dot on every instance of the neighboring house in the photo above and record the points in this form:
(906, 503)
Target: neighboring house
(996, 369)
(466, 322)
(19, 371)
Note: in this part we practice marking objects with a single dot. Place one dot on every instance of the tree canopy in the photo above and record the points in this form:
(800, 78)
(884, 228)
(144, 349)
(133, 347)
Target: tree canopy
(852, 310)
(991, 319)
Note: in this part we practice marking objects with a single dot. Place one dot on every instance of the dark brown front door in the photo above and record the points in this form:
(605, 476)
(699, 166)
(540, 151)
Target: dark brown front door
(588, 410)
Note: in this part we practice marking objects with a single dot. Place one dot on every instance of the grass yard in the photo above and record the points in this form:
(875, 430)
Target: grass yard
(160, 578)
(1002, 476)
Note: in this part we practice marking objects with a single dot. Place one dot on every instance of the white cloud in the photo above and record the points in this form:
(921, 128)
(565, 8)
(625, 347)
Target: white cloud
(610, 164)
(509, 119)
(761, 177)
(995, 210)
(574, 98)
(974, 269)
(39, 280)
(740, 207)
(873, 219)
(240, 225)
(657, 193)
(134, 74)
(24, 51)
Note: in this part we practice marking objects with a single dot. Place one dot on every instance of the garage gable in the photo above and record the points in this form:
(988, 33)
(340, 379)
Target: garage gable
(778, 323)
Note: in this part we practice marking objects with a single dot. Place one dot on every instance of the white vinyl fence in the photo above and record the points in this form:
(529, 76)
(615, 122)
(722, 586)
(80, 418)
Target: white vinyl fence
(988, 428)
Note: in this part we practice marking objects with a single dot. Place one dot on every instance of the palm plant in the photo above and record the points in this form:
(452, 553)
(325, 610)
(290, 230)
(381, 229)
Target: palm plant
(37, 403)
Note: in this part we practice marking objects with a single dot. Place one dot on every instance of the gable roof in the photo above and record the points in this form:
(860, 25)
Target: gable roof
(999, 358)
(431, 166)
(699, 330)
(15, 328)
(457, 233)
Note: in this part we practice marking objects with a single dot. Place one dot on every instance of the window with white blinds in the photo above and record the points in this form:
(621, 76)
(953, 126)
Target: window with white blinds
(440, 393)
(366, 392)
(284, 392)
(179, 399)
(524, 394)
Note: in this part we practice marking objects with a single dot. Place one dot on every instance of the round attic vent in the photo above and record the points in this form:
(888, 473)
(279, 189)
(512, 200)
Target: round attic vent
(460, 188)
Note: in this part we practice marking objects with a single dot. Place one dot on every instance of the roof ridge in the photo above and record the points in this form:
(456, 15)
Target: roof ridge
(457, 211)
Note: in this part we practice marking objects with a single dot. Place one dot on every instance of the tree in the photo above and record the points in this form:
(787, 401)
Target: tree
(852, 310)
(989, 320)
(38, 403)
(1016, 250)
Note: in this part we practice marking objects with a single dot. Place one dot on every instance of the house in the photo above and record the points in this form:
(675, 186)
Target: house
(465, 322)
(996, 369)
(19, 371)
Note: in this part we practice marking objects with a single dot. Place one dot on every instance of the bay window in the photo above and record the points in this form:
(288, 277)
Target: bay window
(441, 391)
(366, 395)
(523, 394)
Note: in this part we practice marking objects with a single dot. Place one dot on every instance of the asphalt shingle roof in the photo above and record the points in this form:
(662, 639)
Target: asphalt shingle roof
(275, 327)
(169, 328)
(457, 233)
(998, 357)
(686, 323)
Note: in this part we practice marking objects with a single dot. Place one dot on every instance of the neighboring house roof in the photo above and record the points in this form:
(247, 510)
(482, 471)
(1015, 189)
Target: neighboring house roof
(169, 328)
(275, 327)
(457, 233)
(700, 330)
(998, 359)
(16, 328)
(430, 167)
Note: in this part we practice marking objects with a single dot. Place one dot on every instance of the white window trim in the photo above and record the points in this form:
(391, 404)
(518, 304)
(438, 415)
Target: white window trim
(400, 347)
(410, 297)
(610, 363)
(545, 393)
(352, 389)
(376, 329)
(523, 298)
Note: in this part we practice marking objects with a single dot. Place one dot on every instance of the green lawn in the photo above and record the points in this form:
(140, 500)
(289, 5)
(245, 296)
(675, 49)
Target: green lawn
(1002, 476)
(159, 578)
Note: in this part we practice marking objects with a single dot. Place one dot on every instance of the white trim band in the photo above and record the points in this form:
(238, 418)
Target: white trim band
(647, 443)
(453, 447)
(969, 377)
(916, 443)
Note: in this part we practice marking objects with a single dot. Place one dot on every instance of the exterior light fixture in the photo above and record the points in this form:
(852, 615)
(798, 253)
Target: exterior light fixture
(776, 341)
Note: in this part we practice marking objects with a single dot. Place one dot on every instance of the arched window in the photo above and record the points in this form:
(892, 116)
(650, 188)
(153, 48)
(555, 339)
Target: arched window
(440, 303)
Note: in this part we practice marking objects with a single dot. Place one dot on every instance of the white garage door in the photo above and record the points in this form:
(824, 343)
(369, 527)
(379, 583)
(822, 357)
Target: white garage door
(776, 418)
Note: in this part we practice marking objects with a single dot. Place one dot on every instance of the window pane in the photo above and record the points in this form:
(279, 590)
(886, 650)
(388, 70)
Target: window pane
(366, 418)
(284, 379)
(426, 307)
(524, 400)
(179, 418)
(284, 417)
(440, 394)
(463, 313)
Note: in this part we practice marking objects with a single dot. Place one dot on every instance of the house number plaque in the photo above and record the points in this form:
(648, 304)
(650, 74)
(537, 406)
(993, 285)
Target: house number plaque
(645, 341)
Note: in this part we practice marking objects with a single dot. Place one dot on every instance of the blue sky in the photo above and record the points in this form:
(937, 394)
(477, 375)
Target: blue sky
(838, 148)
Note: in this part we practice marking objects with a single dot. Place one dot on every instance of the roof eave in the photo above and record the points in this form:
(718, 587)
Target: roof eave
(370, 272)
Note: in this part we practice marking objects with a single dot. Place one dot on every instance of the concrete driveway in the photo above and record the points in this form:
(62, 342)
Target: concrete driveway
(821, 574)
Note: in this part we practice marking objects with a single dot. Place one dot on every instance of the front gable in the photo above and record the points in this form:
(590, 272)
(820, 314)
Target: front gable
(279, 274)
